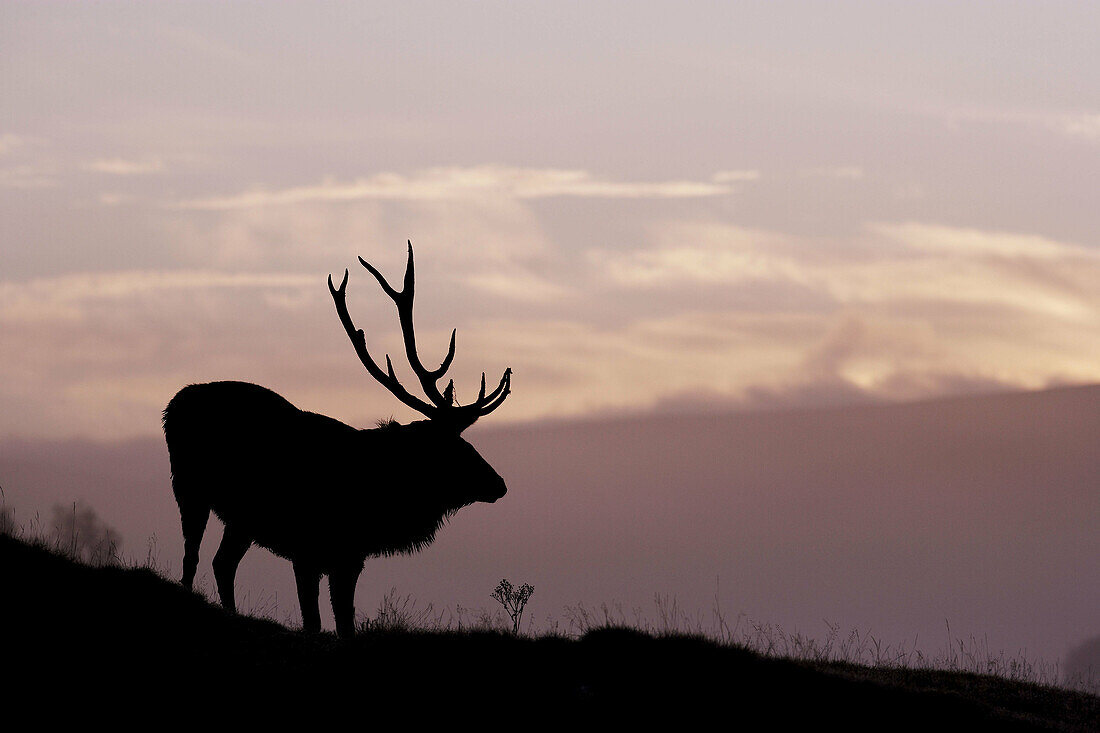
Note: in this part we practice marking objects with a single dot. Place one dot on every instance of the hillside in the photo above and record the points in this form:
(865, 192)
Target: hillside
(129, 639)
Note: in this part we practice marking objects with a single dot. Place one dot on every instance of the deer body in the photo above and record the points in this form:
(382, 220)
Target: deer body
(315, 491)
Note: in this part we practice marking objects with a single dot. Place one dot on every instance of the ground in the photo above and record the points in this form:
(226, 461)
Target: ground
(126, 645)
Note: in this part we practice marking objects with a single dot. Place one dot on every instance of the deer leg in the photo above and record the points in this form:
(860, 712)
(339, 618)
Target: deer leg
(194, 525)
(228, 557)
(341, 586)
(308, 580)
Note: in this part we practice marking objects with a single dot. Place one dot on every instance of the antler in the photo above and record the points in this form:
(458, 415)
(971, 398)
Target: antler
(443, 405)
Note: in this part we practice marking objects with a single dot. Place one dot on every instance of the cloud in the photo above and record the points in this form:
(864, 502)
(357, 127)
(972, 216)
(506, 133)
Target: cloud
(24, 170)
(518, 285)
(27, 177)
(1084, 126)
(965, 242)
(102, 355)
(10, 142)
(829, 392)
(702, 254)
(735, 176)
(124, 167)
(739, 317)
(65, 296)
(1076, 125)
(99, 354)
(826, 358)
(886, 264)
(494, 246)
(483, 242)
(824, 393)
(898, 311)
(437, 184)
(979, 269)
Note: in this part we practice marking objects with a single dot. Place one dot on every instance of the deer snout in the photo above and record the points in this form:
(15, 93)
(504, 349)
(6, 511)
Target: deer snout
(495, 490)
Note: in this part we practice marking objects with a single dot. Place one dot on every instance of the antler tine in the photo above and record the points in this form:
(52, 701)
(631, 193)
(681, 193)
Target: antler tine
(396, 296)
(359, 341)
(496, 399)
(483, 405)
(428, 378)
(446, 363)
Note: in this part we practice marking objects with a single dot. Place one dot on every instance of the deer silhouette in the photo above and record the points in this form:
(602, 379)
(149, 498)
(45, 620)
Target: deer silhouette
(315, 491)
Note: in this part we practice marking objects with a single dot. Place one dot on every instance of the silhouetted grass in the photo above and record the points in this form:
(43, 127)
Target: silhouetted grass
(76, 536)
(402, 613)
(113, 641)
(853, 647)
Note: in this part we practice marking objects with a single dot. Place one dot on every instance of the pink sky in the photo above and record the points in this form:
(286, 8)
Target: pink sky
(632, 205)
(641, 208)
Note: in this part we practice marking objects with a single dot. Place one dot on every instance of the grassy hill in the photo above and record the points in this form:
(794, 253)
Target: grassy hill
(113, 643)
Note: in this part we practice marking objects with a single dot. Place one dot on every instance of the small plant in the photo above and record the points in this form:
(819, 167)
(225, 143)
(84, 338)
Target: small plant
(513, 600)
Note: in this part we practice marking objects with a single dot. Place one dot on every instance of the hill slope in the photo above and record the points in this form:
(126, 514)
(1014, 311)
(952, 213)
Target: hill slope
(134, 641)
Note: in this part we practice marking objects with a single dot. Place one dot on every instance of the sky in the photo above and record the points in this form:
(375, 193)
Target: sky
(635, 206)
(643, 209)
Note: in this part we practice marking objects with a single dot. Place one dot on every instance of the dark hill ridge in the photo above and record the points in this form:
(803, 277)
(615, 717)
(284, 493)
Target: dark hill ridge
(127, 640)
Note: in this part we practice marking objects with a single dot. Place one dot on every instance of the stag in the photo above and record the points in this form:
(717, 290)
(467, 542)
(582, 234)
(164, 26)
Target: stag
(315, 491)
